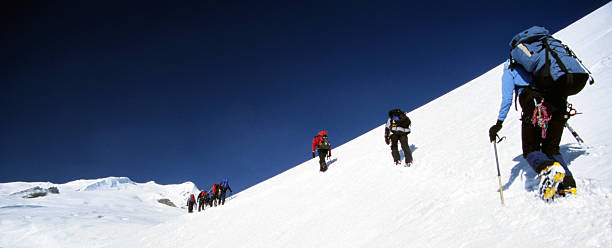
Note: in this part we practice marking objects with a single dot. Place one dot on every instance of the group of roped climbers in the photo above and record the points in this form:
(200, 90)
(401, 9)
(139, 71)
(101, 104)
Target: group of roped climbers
(397, 129)
(213, 197)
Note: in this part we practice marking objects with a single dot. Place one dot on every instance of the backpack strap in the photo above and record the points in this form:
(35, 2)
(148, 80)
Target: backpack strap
(571, 53)
(512, 63)
(570, 78)
(554, 54)
(516, 93)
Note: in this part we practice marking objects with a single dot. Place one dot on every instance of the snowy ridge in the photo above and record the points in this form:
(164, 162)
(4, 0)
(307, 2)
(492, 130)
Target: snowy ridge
(177, 193)
(449, 198)
(109, 183)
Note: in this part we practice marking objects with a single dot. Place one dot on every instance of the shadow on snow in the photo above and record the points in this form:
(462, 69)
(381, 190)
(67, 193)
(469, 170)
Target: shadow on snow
(569, 152)
(23, 206)
(330, 162)
(412, 149)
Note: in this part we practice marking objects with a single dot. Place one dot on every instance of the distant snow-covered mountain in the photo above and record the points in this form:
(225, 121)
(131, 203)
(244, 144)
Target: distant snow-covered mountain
(85, 213)
(176, 192)
(109, 183)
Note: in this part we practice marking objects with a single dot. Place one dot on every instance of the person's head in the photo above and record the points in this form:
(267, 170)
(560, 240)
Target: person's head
(395, 112)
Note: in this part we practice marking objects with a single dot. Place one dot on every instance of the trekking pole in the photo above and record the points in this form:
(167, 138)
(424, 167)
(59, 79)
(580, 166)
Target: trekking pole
(580, 141)
(501, 190)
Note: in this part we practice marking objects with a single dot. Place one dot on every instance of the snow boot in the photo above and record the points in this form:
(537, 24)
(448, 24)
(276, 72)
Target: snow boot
(566, 192)
(550, 177)
(567, 188)
(408, 163)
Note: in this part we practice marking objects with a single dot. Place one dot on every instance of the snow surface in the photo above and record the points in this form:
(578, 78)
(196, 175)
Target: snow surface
(449, 198)
(85, 213)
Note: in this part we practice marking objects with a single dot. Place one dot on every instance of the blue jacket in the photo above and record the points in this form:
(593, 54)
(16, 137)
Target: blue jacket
(511, 79)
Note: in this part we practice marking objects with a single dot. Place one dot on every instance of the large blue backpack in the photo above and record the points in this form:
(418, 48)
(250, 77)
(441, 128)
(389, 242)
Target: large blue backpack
(554, 66)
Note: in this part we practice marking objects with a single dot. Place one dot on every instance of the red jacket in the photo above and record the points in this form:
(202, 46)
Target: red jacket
(215, 188)
(317, 139)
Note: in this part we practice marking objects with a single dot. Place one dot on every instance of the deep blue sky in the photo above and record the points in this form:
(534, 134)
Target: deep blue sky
(201, 90)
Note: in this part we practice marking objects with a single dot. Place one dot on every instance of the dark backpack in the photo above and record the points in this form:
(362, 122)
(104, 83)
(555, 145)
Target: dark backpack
(323, 142)
(399, 118)
(554, 66)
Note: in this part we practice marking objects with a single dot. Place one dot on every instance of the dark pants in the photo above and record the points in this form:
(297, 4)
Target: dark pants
(190, 206)
(541, 152)
(403, 140)
(222, 194)
(215, 199)
(200, 205)
(322, 154)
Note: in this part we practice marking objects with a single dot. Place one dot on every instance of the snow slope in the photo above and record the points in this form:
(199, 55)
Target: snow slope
(449, 198)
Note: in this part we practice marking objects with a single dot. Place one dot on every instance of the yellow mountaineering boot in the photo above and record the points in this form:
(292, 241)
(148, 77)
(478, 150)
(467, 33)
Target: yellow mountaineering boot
(550, 177)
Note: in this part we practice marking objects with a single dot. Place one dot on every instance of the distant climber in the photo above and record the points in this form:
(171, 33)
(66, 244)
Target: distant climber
(323, 148)
(215, 194)
(209, 199)
(397, 129)
(191, 202)
(224, 186)
(202, 200)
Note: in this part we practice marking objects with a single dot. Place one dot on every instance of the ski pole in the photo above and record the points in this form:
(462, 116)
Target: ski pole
(501, 191)
(580, 141)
